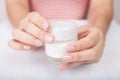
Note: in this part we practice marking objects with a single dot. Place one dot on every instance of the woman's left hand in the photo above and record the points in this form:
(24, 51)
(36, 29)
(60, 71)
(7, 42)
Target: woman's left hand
(88, 48)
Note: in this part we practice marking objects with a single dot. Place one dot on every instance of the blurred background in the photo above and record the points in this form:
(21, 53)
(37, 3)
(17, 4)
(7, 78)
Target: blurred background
(3, 15)
(117, 10)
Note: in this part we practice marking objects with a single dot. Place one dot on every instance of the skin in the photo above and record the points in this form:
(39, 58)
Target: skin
(34, 27)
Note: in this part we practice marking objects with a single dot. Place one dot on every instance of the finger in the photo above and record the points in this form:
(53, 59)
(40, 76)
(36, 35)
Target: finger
(89, 41)
(23, 37)
(37, 32)
(71, 64)
(38, 20)
(18, 45)
(84, 55)
(63, 66)
(89, 55)
(75, 64)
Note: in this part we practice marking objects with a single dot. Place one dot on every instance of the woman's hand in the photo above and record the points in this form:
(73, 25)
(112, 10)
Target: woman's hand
(88, 49)
(32, 33)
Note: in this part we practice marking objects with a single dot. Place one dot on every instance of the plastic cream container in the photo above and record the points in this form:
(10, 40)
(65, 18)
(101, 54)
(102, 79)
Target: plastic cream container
(64, 32)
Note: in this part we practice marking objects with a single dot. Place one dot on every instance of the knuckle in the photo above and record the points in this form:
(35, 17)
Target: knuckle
(35, 18)
(38, 32)
(30, 16)
(33, 15)
(26, 27)
(23, 23)
(77, 57)
(14, 32)
(30, 39)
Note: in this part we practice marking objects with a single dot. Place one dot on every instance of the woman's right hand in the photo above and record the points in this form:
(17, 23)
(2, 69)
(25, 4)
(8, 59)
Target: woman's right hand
(31, 33)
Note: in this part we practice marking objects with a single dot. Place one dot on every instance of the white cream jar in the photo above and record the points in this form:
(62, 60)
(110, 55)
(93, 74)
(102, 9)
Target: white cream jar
(64, 32)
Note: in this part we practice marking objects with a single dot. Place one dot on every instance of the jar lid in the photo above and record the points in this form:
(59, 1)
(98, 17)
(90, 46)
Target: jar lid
(63, 30)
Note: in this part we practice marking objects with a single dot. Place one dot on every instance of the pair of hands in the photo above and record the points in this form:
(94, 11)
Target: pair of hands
(33, 33)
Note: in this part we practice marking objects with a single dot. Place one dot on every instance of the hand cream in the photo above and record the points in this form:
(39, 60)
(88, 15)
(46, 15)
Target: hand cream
(64, 33)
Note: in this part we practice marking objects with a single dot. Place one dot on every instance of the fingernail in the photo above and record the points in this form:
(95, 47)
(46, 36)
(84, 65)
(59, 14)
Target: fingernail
(38, 42)
(48, 38)
(70, 48)
(27, 47)
(67, 58)
(45, 25)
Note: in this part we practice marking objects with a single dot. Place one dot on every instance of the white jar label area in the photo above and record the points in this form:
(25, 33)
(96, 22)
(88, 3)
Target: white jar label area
(64, 32)
(56, 50)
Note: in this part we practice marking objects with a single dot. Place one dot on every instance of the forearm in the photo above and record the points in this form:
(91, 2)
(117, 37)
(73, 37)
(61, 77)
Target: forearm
(17, 10)
(101, 13)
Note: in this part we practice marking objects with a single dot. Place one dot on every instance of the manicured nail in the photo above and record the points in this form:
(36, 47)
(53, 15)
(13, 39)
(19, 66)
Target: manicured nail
(48, 38)
(70, 48)
(67, 58)
(27, 47)
(45, 25)
(38, 42)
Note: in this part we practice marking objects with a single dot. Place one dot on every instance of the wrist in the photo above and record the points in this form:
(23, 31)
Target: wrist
(100, 28)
